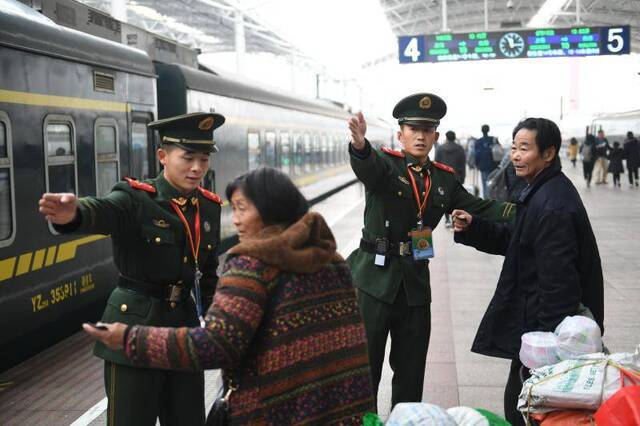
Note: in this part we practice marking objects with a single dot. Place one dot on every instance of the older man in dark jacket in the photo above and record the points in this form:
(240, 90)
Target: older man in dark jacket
(552, 265)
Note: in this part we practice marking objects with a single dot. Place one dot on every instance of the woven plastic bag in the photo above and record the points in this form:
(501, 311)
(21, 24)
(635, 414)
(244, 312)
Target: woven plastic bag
(419, 414)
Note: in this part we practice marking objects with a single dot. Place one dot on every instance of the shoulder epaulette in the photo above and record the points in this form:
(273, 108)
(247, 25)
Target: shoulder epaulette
(392, 152)
(210, 195)
(443, 167)
(139, 185)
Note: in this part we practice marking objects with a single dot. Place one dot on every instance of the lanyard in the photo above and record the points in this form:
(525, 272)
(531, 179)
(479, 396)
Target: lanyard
(427, 187)
(195, 248)
(195, 245)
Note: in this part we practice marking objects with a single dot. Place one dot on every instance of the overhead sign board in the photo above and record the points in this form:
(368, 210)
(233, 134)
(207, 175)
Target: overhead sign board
(515, 44)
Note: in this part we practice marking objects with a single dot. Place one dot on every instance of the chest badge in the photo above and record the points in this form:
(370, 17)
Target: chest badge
(207, 226)
(160, 223)
(403, 180)
(440, 190)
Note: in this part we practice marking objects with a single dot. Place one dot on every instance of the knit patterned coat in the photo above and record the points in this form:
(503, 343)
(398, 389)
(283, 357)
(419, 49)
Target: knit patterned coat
(284, 326)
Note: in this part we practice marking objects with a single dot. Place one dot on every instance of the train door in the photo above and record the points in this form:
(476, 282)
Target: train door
(142, 147)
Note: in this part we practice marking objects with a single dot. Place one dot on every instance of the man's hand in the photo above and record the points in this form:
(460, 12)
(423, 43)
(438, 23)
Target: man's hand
(112, 337)
(358, 128)
(58, 208)
(461, 220)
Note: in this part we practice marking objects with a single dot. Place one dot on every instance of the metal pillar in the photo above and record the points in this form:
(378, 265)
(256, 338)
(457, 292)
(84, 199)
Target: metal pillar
(578, 12)
(486, 15)
(119, 10)
(445, 26)
(239, 40)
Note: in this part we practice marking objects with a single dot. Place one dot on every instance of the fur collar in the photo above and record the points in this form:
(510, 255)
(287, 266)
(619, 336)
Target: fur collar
(304, 247)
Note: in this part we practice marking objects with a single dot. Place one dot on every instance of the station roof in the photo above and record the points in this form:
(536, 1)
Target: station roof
(416, 17)
(205, 24)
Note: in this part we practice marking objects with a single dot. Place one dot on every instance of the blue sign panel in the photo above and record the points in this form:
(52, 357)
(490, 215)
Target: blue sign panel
(541, 43)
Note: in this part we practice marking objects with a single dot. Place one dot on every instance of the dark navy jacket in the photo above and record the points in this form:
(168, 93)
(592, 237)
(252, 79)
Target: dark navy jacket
(551, 264)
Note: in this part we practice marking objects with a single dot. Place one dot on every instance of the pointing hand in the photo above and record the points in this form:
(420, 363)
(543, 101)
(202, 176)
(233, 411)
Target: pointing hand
(58, 208)
(358, 128)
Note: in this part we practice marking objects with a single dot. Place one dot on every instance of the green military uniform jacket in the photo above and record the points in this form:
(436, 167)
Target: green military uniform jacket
(389, 196)
(150, 245)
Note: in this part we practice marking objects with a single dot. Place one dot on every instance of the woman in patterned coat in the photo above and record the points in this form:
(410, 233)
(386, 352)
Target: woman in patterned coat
(284, 324)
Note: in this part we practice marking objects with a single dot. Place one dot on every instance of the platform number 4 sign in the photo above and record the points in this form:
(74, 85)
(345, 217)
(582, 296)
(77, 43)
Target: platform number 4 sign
(411, 49)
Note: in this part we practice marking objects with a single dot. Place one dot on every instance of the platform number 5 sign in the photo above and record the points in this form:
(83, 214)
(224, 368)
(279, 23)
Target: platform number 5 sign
(615, 40)
(411, 49)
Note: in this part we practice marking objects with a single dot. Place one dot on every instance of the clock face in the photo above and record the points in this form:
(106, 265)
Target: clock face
(511, 45)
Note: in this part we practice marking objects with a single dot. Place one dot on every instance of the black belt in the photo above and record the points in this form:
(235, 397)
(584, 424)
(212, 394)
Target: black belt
(400, 249)
(171, 293)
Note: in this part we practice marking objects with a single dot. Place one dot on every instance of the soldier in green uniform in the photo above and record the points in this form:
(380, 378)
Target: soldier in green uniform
(406, 196)
(165, 232)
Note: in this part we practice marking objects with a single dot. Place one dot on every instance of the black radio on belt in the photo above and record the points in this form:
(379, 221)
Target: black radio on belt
(382, 248)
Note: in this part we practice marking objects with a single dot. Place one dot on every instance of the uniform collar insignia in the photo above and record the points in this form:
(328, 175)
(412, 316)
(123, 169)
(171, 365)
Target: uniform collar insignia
(194, 200)
(404, 180)
(180, 201)
(417, 167)
(161, 223)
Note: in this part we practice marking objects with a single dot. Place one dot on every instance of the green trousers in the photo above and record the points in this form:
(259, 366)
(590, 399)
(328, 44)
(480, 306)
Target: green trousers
(138, 396)
(410, 329)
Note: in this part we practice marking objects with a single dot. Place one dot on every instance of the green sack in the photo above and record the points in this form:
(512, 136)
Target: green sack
(494, 419)
(371, 419)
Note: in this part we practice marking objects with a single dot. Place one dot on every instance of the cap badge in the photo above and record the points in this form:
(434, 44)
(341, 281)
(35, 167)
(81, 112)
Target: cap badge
(440, 190)
(160, 223)
(207, 226)
(425, 103)
(206, 124)
(403, 180)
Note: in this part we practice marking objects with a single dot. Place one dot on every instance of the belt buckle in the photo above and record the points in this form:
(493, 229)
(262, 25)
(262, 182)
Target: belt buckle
(404, 248)
(175, 295)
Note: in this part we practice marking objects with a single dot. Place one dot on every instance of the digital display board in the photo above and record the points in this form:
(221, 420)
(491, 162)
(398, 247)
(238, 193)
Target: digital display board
(540, 43)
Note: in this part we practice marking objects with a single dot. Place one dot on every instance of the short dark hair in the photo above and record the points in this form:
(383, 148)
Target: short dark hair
(616, 144)
(629, 134)
(276, 197)
(547, 133)
(485, 128)
(450, 135)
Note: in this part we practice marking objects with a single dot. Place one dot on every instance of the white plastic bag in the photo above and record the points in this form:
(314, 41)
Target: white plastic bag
(539, 348)
(466, 416)
(577, 336)
(418, 414)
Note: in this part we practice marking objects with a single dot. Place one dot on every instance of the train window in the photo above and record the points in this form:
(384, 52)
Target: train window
(7, 212)
(285, 153)
(308, 153)
(317, 153)
(325, 151)
(253, 148)
(270, 149)
(298, 154)
(61, 159)
(139, 150)
(107, 163)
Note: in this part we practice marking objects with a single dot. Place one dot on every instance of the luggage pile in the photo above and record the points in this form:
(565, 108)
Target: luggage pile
(577, 387)
(423, 414)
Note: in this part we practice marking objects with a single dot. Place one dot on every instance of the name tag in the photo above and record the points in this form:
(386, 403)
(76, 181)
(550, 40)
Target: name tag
(421, 243)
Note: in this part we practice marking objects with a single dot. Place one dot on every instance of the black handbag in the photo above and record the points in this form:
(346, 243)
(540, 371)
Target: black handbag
(219, 412)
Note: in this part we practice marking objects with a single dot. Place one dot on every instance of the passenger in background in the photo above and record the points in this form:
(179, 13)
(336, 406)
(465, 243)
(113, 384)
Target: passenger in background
(165, 232)
(573, 151)
(631, 149)
(406, 196)
(602, 149)
(588, 157)
(615, 163)
(551, 267)
(485, 161)
(452, 154)
(284, 324)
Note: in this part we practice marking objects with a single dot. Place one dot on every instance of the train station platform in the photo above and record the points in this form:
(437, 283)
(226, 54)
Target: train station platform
(63, 385)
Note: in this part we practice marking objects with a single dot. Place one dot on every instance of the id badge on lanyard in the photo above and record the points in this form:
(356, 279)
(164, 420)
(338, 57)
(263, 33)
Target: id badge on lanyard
(421, 239)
